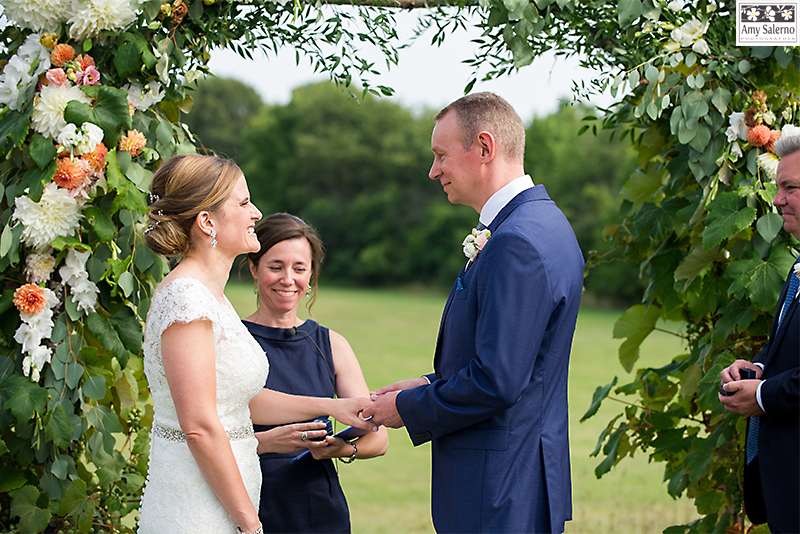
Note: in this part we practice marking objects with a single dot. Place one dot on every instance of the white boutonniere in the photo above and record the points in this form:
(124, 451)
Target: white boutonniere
(474, 243)
(797, 270)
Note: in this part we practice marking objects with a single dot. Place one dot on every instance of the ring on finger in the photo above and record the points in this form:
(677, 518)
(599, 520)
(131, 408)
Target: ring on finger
(304, 435)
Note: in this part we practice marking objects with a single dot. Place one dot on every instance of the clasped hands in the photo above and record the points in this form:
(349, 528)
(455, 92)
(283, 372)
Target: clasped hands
(350, 411)
(742, 393)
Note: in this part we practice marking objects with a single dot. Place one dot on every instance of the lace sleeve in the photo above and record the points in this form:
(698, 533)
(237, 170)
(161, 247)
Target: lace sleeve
(184, 300)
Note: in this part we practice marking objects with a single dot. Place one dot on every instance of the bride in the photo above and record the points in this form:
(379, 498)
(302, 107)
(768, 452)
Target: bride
(206, 373)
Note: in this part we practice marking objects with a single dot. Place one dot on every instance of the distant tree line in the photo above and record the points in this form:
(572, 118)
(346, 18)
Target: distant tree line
(357, 171)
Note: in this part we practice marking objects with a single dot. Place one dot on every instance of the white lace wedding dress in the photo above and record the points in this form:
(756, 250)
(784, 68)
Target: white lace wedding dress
(176, 497)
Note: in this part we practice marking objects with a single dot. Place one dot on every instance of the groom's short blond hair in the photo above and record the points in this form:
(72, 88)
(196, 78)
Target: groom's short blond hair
(488, 112)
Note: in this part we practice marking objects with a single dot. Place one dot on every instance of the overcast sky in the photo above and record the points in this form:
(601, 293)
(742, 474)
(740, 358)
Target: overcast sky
(426, 76)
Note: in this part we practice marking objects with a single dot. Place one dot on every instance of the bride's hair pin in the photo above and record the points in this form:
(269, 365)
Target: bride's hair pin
(151, 226)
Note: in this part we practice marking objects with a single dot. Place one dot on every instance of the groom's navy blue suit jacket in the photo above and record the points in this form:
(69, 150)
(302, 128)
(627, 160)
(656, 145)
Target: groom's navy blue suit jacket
(496, 408)
(779, 429)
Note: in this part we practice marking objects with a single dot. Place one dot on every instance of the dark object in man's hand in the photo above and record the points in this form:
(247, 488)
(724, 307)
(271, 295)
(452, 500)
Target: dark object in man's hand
(745, 374)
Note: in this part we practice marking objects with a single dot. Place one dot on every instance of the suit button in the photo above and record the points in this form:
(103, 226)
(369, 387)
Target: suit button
(423, 436)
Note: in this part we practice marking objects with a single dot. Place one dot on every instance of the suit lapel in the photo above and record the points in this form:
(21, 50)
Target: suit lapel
(778, 332)
(536, 192)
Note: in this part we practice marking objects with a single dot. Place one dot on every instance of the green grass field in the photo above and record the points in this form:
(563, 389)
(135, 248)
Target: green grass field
(393, 332)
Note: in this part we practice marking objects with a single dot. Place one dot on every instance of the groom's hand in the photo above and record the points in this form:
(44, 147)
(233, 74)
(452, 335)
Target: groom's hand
(398, 386)
(384, 410)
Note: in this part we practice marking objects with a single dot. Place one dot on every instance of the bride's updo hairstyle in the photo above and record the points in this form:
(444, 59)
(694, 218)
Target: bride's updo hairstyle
(180, 189)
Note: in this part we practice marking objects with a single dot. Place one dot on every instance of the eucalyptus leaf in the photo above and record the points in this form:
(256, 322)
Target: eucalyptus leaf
(769, 225)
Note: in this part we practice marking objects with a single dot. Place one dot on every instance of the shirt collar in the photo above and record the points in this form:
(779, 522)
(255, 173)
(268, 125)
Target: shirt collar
(502, 197)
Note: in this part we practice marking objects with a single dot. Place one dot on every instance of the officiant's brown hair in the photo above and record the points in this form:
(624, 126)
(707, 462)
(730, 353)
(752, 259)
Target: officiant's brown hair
(180, 189)
(280, 227)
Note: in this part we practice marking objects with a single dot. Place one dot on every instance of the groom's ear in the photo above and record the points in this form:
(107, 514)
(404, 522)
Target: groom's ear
(487, 146)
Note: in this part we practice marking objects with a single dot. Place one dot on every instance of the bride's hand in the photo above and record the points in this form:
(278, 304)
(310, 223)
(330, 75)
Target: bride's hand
(289, 438)
(348, 411)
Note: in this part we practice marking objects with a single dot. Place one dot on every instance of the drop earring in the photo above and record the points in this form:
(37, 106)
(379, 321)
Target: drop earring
(308, 290)
(213, 238)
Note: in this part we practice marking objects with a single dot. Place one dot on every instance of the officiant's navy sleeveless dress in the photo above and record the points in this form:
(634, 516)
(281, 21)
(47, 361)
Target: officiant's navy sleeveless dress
(305, 496)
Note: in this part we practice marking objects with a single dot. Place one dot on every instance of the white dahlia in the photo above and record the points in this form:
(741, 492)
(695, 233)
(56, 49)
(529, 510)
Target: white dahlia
(90, 17)
(56, 214)
(39, 15)
(48, 108)
(39, 267)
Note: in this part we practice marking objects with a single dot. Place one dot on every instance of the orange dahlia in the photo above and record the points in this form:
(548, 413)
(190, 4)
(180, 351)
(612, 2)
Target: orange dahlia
(70, 173)
(96, 158)
(774, 135)
(133, 143)
(61, 54)
(29, 299)
(758, 135)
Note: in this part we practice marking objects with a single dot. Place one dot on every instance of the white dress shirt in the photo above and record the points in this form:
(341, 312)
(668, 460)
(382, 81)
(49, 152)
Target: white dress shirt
(502, 197)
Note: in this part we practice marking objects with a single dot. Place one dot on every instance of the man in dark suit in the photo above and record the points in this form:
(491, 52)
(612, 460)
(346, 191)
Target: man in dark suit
(495, 409)
(772, 401)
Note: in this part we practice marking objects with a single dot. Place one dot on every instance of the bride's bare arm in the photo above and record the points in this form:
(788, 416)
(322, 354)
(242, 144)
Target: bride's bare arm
(275, 408)
(189, 365)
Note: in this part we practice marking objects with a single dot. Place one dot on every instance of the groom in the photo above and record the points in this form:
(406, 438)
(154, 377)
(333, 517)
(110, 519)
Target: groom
(495, 409)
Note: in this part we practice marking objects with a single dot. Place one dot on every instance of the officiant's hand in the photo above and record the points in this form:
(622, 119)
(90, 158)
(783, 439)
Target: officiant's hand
(289, 438)
(332, 448)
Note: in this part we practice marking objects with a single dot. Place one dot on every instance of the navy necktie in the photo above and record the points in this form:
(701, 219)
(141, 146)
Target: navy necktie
(480, 226)
(751, 447)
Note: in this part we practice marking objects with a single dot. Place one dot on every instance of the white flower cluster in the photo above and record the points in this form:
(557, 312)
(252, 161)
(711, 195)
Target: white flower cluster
(31, 332)
(474, 243)
(86, 18)
(56, 214)
(689, 34)
(22, 71)
(73, 273)
(143, 97)
(80, 140)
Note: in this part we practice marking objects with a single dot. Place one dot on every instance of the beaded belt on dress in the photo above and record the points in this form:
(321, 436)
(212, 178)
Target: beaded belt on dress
(171, 434)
